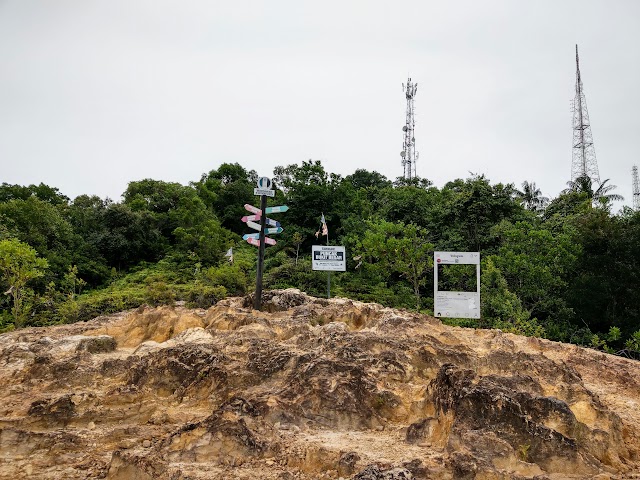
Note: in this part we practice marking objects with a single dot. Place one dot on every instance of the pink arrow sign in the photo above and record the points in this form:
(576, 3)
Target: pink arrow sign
(252, 209)
(256, 242)
(250, 218)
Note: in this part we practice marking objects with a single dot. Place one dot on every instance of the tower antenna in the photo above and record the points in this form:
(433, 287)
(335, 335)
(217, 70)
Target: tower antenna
(409, 154)
(584, 163)
(636, 188)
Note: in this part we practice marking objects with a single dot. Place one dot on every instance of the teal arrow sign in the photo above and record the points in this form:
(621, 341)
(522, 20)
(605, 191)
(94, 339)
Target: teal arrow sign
(278, 209)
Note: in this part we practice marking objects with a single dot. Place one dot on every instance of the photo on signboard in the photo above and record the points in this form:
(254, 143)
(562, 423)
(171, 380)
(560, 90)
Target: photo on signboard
(457, 278)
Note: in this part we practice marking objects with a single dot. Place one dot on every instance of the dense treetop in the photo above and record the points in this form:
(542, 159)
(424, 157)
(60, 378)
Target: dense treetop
(566, 268)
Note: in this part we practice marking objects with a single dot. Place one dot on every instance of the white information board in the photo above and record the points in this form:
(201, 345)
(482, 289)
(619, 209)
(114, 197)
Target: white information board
(327, 257)
(456, 304)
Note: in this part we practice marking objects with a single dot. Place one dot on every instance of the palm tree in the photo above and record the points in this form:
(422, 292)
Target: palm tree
(601, 195)
(531, 197)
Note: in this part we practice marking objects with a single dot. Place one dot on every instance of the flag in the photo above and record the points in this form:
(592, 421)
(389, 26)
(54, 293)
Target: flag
(229, 254)
(325, 230)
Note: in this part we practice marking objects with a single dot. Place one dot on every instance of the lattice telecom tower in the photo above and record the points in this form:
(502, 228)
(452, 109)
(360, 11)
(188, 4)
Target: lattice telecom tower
(636, 188)
(409, 154)
(584, 161)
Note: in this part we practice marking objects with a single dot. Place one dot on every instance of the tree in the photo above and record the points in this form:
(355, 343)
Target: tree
(400, 249)
(469, 210)
(362, 179)
(309, 191)
(297, 240)
(599, 196)
(225, 191)
(42, 226)
(537, 265)
(19, 264)
(41, 192)
(531, 197)
(502, 308)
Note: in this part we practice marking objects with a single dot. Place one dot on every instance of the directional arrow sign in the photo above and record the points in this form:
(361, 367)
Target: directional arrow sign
(249, 218)
(250, 235)
(278, 209)
(254, 225)
(252, 209)
(256, 242)
(268, 231)
(273, 223)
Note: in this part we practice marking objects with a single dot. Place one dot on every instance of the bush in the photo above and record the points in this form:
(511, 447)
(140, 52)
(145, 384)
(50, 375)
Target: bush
(157, 292)
(231, 277)
(104, 302)
(204, 296)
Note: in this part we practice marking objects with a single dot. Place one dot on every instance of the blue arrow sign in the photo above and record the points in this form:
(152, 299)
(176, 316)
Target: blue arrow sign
(278, 209)
(250, 235)
(273, 223)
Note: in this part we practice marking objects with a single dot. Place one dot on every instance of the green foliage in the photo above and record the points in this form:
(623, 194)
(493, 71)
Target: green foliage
(19, 265)
(204, 296)
(502, 308)
(283, 272)
(395, 249)
(537, 265)
(109, 300)
(157, 292)
(566, 269)
(230, 276)
(633, 342)
(225, 191)
(523, 452)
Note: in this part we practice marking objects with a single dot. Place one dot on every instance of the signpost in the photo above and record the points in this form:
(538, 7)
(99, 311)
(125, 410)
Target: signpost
(456, 304)
(328, 258)
(260, 239)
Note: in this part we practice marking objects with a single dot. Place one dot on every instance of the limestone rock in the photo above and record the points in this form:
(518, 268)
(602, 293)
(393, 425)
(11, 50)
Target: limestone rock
(309, 389)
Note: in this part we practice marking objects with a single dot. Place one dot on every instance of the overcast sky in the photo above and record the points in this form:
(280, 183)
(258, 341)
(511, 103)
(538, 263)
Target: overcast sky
(94, 94)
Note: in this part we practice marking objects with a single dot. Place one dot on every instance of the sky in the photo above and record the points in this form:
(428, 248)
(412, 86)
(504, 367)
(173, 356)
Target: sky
(97, 93)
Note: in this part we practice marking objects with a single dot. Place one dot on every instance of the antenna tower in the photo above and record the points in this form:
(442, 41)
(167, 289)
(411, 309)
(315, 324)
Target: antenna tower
(409, 154)
(636, 188)
(584, 161)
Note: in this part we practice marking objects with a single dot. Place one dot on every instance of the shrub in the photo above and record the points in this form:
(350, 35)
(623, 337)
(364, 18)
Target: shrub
(204, 296)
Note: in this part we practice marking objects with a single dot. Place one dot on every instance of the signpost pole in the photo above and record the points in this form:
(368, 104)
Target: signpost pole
(257, 304)
(328, 274)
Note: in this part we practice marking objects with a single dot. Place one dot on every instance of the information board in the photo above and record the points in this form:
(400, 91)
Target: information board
(327, 257)
(456, 304)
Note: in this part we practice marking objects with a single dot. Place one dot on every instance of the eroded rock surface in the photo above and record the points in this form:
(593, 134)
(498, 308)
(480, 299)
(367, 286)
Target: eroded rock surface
(309, 389)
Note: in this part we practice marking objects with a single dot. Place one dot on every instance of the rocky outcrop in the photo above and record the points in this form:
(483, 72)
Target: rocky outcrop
(309, 389)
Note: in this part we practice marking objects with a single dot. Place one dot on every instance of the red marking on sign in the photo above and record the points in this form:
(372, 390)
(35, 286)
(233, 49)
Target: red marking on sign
(252, 209)
(256, 242)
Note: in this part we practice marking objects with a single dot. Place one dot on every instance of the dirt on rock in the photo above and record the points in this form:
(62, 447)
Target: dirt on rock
(309, 389)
